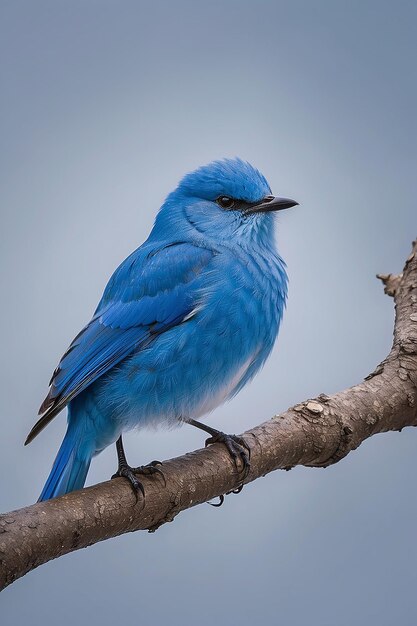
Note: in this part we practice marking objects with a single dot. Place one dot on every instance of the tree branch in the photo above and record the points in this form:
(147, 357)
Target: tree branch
(314, 433)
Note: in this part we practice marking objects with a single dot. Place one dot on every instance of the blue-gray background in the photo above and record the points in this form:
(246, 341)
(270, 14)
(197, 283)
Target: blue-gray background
(104, 105)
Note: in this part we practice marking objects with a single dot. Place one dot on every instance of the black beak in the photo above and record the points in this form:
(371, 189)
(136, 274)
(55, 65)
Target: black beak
(270, 203)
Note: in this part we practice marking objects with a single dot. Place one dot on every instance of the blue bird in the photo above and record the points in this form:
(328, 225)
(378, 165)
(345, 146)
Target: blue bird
(184, 323)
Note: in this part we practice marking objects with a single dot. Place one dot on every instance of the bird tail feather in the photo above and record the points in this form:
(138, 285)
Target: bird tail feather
(70, 467)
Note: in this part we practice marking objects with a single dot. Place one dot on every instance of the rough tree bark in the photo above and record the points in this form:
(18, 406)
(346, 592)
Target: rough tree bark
(314, 433)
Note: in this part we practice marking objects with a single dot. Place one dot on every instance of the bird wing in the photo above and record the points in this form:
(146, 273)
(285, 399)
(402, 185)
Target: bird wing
(153, 290)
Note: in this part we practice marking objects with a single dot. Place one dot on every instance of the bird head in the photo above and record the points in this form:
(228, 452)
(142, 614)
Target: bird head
(223, 199)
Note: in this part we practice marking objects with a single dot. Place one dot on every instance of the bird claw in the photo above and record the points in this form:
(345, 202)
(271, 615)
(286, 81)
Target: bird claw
(150, 470)
(239, 451)
(129, 473)
(237, 448)
(222, 496)
(219, 503)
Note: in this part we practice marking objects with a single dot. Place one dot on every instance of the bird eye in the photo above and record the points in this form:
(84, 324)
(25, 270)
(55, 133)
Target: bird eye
(225, 202)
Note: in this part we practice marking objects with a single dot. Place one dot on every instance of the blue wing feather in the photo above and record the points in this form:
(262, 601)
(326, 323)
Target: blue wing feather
(152, 290)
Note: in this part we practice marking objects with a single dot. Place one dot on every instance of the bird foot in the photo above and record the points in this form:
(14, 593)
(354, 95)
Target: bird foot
(129, 473)
(238, 450)
(150, 470)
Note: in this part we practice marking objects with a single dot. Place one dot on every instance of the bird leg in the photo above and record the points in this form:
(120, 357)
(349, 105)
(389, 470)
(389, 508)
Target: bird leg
(236, 446)
(124, 470)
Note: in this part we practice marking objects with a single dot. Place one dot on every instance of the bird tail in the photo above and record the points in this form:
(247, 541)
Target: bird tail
(70, 467)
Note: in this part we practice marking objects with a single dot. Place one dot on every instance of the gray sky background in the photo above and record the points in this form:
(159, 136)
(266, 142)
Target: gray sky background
(104, 106)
